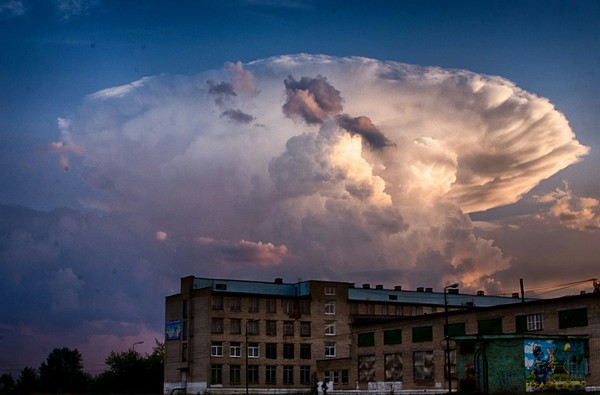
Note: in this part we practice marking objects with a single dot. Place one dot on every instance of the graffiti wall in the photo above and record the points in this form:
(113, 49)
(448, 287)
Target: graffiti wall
(554, 365)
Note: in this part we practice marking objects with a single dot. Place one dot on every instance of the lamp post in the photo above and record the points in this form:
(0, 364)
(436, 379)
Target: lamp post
(133, 345)
(447, 337)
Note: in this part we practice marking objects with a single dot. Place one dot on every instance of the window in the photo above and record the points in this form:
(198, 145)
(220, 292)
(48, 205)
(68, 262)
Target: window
(288, 328)
(271, 374)
(288, 350)
(345, 376)
(305, 328)
(235, 304)
(217, 325)
(184, 330)
(216, 374)
(221, 287)
(288, 374)
(336, 377)
(329, 290)
(491, 326)
(186, 308)
(370, 308)
(271, 306)
(305, 307)
(235, 349)
(384, 309)
(572, 318)
(452, 364)
(330, 328)
(366, 339)
(530, 322)
(217, 302)
(252, 327)
(457, 329)
(217, 349)
(253, 305)
(366, 368)
(393, 366)
(235, 376)
(330, 307)
(305, 352)
(329, 349)
(423, 365)
(252, 374)
(235, 326)
(253, 350)
(184, 352)
(422, 334)
(305, 374)
(271, 350)
(392, 336)
(271, 328)
(288, 306)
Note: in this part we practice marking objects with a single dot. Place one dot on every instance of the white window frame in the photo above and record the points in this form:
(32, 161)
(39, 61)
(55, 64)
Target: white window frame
(253, 350)
(535, 322)
(329, 291)
(330, 349)
(235, 350)
(330, 307)
(216, 349)
(330, 328)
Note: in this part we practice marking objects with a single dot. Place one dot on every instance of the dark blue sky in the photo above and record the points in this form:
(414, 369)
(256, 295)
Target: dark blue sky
(85, 239)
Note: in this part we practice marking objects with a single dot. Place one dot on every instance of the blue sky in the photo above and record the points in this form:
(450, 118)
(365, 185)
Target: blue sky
(158, 189)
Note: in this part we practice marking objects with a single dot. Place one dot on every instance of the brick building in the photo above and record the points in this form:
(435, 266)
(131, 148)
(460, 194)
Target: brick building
(249, 336)
(549, 344)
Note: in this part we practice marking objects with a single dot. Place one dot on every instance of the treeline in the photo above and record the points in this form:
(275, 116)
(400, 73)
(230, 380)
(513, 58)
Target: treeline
(129, 372)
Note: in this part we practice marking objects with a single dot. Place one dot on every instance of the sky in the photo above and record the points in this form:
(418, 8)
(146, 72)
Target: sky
(399, 143)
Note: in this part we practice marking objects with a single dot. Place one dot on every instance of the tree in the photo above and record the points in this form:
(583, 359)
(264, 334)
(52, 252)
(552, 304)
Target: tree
(7, 383)
(63, 372)
(28, 381)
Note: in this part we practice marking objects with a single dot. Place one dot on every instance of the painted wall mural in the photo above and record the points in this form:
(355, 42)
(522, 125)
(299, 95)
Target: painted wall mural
(552, 364)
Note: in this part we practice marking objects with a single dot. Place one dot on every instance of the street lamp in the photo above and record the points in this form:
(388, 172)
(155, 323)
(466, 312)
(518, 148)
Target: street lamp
(447, 337)
(133, 345)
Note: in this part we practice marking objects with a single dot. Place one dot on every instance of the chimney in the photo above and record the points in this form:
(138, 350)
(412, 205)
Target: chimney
(366, 286)
(515, 295)
(379, 286)
(480, 293)
(398, 288)
(453, 291)
(279, 280)
(420, 289)
(428, 289)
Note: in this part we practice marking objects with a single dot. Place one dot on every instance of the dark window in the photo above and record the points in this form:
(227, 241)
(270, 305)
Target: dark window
(271, 350)
(288, 328)
(288, 374)
(345, 376)
(216, 374)
(235, 374)
(253, 374)
(491, 326)
(217, 325)
(393, 297)
(305, 328)
(288, 350)
(221, 287)
(305, 375)
(457, 329)
(271, 328)
(305, 307)
(186, 308)
(271, 306)
(252, 327)
(235, 304)
(422, 334)
(271, 374)
(235, 326)
(467, 347)
(253, 305)
(184, 352)
(366, 339)
(305, 351)
(217, 302)
(392, 336)
(572, 318)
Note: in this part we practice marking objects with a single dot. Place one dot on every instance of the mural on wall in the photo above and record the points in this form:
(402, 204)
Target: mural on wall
(173, 330)
(555, 364)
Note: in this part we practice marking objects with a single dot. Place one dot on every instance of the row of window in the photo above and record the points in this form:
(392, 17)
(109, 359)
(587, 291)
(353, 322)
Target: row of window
(253, 327)
(253, 374)
(235, 350)
(253, 305)
(529, 322)
(422, 363)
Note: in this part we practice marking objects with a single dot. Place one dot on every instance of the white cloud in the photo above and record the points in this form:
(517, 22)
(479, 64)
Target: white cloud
(11, 9)
(386, 184)
(574, 212)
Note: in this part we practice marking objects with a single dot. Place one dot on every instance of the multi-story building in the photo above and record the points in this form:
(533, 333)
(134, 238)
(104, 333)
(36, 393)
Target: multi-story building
(541, 345)
(231, 335)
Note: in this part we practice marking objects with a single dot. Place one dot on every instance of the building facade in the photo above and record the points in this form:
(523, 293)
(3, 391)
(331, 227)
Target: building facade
(248, 336)
(543, 345)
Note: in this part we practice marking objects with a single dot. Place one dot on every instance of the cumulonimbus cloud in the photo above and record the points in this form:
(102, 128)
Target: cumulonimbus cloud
(262, 151)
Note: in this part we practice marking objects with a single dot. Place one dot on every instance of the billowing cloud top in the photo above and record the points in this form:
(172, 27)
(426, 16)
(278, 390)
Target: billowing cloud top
(311, 164)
